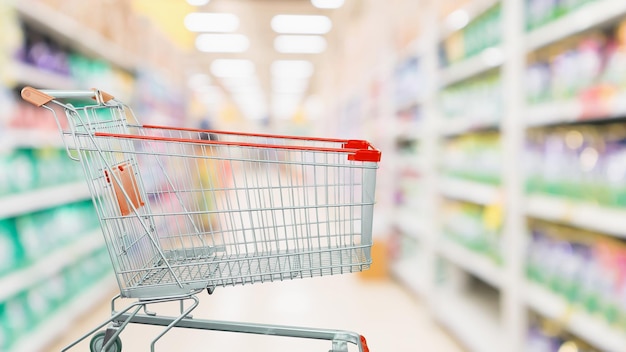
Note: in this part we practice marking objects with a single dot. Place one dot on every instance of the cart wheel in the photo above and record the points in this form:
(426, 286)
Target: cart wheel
(97, 341)
(210, 290)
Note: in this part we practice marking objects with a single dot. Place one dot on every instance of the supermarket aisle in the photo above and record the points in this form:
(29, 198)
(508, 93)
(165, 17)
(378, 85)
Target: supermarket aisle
(390, 318)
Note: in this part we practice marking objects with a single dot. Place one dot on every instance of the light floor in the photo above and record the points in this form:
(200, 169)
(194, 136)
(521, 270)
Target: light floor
(388, 316)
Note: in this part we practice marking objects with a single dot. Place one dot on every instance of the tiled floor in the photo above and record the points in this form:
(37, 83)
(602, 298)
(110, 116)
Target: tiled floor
(389, 317)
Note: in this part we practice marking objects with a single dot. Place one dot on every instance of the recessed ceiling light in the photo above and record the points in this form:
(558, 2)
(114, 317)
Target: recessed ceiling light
(197, 2)
(232, 68)
(222, 43)
(301, 24)
(327, 4)
(211, 22)
(300, 44)
(292, 68)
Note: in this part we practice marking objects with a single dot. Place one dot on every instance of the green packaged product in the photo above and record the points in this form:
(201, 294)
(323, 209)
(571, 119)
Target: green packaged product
(10, 252)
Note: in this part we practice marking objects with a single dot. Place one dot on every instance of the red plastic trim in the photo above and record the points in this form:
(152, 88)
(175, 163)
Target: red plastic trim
(353, 154)
(248, 134)
(364, 344)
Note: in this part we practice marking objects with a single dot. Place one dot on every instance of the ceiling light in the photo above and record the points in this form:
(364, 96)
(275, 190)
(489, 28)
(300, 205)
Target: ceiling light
(232, 68)
(197, 2)
(222, 43)
(300, 44)
(457, 20)
(327, 4)
(292, 69)
(211, 22)
(301, 24)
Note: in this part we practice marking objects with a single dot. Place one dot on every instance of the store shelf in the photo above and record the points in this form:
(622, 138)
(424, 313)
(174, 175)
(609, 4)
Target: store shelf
(22, 138)
(553, 113)
(589, 328)
(473, 319)
(470, 191)
(64, 319)
(571, 111)
(81, 37)
(18, 280)
(611, 221)
(411, 223)
(472, 9)
(459, 126)
(590, 15)
(490, 58)
(38, 199)
(474, 263)
(30, 75)
(409, 272)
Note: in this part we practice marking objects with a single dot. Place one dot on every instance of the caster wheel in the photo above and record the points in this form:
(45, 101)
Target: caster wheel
(97, 341)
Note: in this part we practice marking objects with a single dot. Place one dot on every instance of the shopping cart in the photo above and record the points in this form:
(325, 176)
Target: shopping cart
(183, 210)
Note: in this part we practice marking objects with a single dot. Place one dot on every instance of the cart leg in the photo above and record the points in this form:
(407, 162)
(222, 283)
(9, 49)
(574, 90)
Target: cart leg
(113, 318)
(177, 320)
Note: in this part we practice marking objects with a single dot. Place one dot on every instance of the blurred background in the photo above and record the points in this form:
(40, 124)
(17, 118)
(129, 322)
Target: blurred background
(501, 197)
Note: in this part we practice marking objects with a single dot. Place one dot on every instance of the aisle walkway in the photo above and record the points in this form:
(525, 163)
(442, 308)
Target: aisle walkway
(382, 311)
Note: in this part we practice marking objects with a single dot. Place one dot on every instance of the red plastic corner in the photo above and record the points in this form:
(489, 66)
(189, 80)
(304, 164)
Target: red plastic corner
(356, 144)
(365, 155)
(364, 344)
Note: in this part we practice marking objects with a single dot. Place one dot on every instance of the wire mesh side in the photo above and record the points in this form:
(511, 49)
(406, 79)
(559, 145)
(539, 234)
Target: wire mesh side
(218, 215)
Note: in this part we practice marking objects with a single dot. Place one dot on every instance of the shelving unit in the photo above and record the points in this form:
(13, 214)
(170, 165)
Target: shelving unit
(502, 323)
(68, 29)
(592, 14)
(26, 277)
(470, 191)
(474, 263)
(473, 319)
(35, 200)
(588, 327)
(90, 51)
(610, 221)
(59, 322)
(489, 59)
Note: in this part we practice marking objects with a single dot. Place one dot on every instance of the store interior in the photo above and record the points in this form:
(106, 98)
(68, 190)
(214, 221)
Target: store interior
(500, 196)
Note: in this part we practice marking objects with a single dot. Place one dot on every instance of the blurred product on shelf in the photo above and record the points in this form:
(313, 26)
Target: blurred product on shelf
(482, 33)
(475, 227)
(11, 254)
(42, 231)
(541, 12)
(24, 312)
(476, 101)
(581, 162)
(27, 169)
(585, 268)
(547, 336)
(409, 84)
(475, 157)
(586, 68)
(409, 176)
